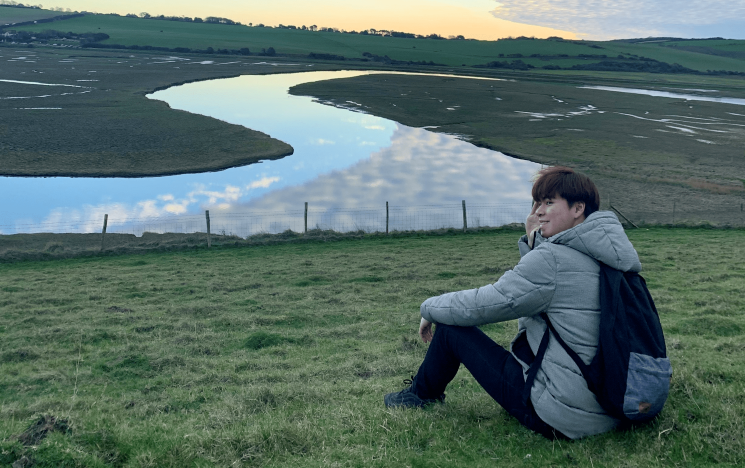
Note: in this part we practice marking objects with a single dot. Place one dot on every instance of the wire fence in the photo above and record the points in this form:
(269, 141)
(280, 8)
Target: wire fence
(101, 231)
(690, 214)
(387, 218)
(104, 231)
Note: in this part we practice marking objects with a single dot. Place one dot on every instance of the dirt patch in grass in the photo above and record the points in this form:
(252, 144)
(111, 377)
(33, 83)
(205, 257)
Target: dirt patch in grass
(41, 428)
(19, 355)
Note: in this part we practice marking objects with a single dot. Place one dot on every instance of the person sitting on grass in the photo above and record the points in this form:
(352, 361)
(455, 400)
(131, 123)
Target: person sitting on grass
(558, 273)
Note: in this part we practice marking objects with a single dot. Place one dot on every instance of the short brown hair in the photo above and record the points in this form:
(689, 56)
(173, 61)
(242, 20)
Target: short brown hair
(569, 185)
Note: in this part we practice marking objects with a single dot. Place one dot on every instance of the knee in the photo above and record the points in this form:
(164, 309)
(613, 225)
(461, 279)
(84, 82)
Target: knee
(442, 328)
(453, 329)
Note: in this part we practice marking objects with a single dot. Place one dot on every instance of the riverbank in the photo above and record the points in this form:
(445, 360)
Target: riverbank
(97, 122)
(280, 355)
(658, 160)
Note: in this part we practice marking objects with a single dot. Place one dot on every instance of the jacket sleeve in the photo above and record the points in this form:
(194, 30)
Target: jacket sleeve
(524, 291)
(522, 244)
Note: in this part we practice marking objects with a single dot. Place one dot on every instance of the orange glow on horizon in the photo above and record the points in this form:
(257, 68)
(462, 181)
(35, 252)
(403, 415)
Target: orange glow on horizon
(413, 16)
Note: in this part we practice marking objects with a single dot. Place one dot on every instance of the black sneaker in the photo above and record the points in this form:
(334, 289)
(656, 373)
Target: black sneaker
(406, 398)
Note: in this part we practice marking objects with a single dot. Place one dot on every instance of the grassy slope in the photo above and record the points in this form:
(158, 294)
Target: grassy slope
(723, 47)
(690, 59)
(136, 31)
(720, 44)
(280, 356)
(18, 15)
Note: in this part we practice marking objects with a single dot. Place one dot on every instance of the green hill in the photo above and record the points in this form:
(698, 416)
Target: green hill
(700, 55)
(10, 15)
(172, 34)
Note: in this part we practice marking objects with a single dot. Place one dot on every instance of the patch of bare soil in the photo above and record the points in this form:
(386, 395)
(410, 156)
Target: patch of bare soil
(41, 428)
(35, 433)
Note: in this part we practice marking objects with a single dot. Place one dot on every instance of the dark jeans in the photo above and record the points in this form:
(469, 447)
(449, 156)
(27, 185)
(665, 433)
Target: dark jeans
(493, 367)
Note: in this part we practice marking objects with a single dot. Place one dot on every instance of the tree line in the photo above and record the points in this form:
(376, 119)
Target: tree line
(50, 35)
(312, 28)
(619, 64)
(12, 4)
(185, 19)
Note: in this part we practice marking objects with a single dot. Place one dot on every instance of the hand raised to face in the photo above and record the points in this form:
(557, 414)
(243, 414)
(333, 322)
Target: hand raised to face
(532, 224)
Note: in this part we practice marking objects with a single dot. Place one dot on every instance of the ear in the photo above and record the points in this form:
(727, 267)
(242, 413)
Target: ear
(578, 209)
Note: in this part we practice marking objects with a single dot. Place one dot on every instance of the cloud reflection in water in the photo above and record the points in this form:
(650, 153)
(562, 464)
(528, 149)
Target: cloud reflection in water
(343, 160)
(419, 171)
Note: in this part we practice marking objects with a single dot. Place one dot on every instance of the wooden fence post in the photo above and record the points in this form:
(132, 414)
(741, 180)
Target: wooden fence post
(465, 223)
(623, 216)
(306, 217)
(209, 238)
(386, 217)
(103, 232)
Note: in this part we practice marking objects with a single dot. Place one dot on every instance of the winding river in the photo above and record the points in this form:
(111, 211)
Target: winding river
(347, 164)
(345, 161)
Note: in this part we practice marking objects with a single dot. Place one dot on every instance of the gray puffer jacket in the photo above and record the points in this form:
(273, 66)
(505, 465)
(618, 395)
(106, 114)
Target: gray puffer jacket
(560, 276)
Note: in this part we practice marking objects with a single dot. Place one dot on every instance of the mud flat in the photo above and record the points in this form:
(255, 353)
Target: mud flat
(657, 159)
(84, 113)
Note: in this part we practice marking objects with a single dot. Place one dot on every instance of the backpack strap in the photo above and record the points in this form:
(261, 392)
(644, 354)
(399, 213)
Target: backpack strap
(583, 368)
(536, 364)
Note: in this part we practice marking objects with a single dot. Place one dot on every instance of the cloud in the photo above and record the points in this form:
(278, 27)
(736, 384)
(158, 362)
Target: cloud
(89, 218)
(231, 193)
(612, 19)
(157, 214)
(176, 208)
(264, 182)
(423, 175)
(321, 141)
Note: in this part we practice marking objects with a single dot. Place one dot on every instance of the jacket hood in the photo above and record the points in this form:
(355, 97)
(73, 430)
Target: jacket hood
(601, 236)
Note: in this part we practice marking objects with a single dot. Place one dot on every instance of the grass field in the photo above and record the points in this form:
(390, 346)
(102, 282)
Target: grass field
(172, 34)
(9, 15)
(697, 59)
(280, 355)
(136, 31)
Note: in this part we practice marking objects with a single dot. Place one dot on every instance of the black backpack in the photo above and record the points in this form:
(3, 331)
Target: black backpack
(630, 374)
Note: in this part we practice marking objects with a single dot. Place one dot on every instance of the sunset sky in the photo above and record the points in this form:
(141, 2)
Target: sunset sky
(478, 19)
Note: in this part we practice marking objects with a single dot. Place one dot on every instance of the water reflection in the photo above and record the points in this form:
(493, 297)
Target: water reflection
(423, 175)
(343, 161)
(418, 168)
(667, 94)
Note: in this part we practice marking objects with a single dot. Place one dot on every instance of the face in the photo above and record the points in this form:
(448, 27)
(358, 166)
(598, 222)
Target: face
(555, 215)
